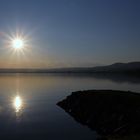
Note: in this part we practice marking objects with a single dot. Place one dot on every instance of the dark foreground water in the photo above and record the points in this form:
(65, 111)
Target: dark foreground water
(28, 107)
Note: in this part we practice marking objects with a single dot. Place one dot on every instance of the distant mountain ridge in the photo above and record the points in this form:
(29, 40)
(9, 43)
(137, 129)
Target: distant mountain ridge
(132, 67)
(118, 67)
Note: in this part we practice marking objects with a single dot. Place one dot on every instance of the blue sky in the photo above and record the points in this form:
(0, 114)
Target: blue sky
(65, 33)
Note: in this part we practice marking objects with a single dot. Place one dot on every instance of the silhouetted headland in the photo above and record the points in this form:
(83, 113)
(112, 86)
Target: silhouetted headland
(110, 113)
(129, 68)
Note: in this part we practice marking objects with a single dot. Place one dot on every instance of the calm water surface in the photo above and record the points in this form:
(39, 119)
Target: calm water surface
(28, 107)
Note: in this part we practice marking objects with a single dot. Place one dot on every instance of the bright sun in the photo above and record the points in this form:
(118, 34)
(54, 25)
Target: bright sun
(17, 43)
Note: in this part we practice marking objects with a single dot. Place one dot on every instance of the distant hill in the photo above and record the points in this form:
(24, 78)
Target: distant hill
(119, 67)
(132, 67)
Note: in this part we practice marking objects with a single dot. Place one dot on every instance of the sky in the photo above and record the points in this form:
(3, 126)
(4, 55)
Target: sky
(69, 33)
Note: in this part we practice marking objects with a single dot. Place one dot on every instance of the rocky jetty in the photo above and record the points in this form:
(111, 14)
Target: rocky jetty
(108, 112)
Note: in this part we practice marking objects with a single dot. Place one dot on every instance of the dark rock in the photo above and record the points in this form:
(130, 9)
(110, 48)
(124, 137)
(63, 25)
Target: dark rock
(107, 112)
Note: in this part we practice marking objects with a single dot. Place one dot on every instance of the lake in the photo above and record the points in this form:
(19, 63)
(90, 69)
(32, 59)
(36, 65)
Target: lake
(28, 107)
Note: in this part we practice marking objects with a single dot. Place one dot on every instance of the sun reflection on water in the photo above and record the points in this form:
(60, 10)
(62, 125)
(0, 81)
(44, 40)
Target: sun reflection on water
(18, 103)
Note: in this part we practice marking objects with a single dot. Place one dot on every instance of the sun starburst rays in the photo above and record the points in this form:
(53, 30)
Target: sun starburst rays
(18, 47)
(17, 43)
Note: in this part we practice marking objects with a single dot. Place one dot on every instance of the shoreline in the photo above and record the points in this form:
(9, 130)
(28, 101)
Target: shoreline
(111, 113)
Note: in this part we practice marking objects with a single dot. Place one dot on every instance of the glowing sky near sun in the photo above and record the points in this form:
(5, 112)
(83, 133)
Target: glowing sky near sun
(68, 33)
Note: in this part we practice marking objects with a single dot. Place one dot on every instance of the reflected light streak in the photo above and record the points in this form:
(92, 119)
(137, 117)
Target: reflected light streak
(18, 103)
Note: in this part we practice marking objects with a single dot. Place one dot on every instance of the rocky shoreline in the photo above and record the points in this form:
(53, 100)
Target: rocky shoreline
(108, 112)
